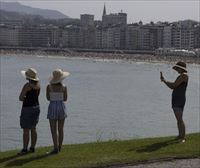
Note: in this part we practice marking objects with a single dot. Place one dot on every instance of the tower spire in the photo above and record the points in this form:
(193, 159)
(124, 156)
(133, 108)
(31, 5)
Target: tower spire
(104, 10)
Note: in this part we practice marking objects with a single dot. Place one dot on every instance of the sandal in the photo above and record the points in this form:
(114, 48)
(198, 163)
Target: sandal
(54, 151)
(31, 149)
(23, 152)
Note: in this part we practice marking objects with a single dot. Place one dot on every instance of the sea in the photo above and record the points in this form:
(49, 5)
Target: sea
(107, 99)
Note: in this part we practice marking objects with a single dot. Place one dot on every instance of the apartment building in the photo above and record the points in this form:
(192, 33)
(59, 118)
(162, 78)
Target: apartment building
(71, 36)
(9, 36)
(87, 20)
(167, 36)
(98, 37)
(34, 37)
(87, 37)
(197, 36)
(132, 33)
(144, 37)
(183, 35)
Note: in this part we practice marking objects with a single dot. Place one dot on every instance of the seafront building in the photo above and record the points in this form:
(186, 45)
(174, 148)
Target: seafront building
(71, 36)
(197, 35)
(23, 36)
(167, 36)
(9, 36)
(112, 32)
(87, 20)
(183, 35)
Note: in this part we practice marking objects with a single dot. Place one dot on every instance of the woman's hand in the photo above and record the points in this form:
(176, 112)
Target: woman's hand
(27, 87)
(161, 77)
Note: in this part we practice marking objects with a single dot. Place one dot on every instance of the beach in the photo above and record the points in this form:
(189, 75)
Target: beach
(103, 56)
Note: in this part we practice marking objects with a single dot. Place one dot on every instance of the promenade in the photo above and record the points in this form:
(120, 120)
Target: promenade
(180, 163)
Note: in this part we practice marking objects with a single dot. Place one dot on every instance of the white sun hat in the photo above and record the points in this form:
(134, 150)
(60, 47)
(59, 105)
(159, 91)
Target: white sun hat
(30, 73)
(57, 76)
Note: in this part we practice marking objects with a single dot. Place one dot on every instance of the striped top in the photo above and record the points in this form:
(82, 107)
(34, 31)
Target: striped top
(56, 96)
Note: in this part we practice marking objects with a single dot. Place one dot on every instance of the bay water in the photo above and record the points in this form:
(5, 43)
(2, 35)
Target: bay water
(107, 99)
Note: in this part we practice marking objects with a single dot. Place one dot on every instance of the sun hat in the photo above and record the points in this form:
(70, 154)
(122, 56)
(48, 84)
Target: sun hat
(180, 65)
(30, 73)
(57, 76)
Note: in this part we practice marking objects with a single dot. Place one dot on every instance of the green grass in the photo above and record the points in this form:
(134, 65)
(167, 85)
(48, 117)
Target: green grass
(102, 154)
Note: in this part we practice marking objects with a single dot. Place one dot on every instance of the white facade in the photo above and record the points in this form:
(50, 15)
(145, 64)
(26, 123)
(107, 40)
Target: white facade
(167, 37)
(182, 37)
(132, 37)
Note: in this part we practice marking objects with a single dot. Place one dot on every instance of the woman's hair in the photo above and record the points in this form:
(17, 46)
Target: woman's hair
(60, 83)
(33, 82)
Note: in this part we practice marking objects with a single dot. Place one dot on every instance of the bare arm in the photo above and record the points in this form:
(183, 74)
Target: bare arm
(25, 89)
(177, 82)
(65, 93)
(47, 93)
(169, 84)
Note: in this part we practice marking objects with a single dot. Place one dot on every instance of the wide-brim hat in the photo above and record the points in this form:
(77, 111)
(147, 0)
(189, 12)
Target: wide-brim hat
(180, 65)
(30, 73)
(57, 76)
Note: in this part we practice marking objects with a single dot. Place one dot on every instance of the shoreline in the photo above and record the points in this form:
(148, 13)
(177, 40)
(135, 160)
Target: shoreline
(150, 58)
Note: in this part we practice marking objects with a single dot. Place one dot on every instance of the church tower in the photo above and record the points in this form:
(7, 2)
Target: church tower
(104, 10)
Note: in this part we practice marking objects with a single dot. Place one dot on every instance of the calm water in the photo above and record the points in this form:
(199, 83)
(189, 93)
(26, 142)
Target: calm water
(108, 100)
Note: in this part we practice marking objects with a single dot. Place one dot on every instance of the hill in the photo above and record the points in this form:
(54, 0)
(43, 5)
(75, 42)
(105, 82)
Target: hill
(22, 9)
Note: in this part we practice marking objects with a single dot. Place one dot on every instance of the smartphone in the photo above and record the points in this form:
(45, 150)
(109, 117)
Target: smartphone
(161, 76)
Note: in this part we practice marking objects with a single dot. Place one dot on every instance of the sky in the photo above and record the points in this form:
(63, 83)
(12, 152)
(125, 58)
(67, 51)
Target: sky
(137, 10)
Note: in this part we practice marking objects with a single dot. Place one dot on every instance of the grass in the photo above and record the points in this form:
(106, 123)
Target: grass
(102, 154)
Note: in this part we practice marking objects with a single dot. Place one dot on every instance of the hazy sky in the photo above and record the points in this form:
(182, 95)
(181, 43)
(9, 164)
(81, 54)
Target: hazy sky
(144, 10)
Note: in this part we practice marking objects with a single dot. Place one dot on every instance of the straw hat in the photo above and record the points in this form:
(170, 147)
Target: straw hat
(30, 73)
(57, 76)
(180, 65)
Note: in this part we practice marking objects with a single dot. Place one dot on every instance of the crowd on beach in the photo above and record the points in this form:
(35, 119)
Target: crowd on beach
(106, 56)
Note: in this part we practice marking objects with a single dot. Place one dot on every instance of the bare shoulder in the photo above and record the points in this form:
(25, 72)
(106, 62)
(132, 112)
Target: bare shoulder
(184, 76)
(35, 86)
(27, 86)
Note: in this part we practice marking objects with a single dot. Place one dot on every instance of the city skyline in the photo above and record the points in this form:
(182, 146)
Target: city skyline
(145, 10)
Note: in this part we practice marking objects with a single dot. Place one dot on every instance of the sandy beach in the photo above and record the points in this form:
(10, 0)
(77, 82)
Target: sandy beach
(105, 56)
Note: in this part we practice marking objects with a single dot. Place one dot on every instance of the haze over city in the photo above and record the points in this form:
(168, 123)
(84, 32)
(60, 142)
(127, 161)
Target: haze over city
(145, 10)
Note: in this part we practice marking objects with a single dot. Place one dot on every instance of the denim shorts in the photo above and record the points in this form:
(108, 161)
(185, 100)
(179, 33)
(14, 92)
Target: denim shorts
(29, 117)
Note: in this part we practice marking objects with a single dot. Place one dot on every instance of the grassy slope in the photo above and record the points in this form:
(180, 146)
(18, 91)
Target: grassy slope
(105, 153)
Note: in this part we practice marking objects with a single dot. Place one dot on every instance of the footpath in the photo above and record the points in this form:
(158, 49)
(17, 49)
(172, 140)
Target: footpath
(180, 163)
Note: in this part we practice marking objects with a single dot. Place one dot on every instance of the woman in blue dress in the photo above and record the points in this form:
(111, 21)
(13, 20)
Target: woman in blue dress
(56, 93)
